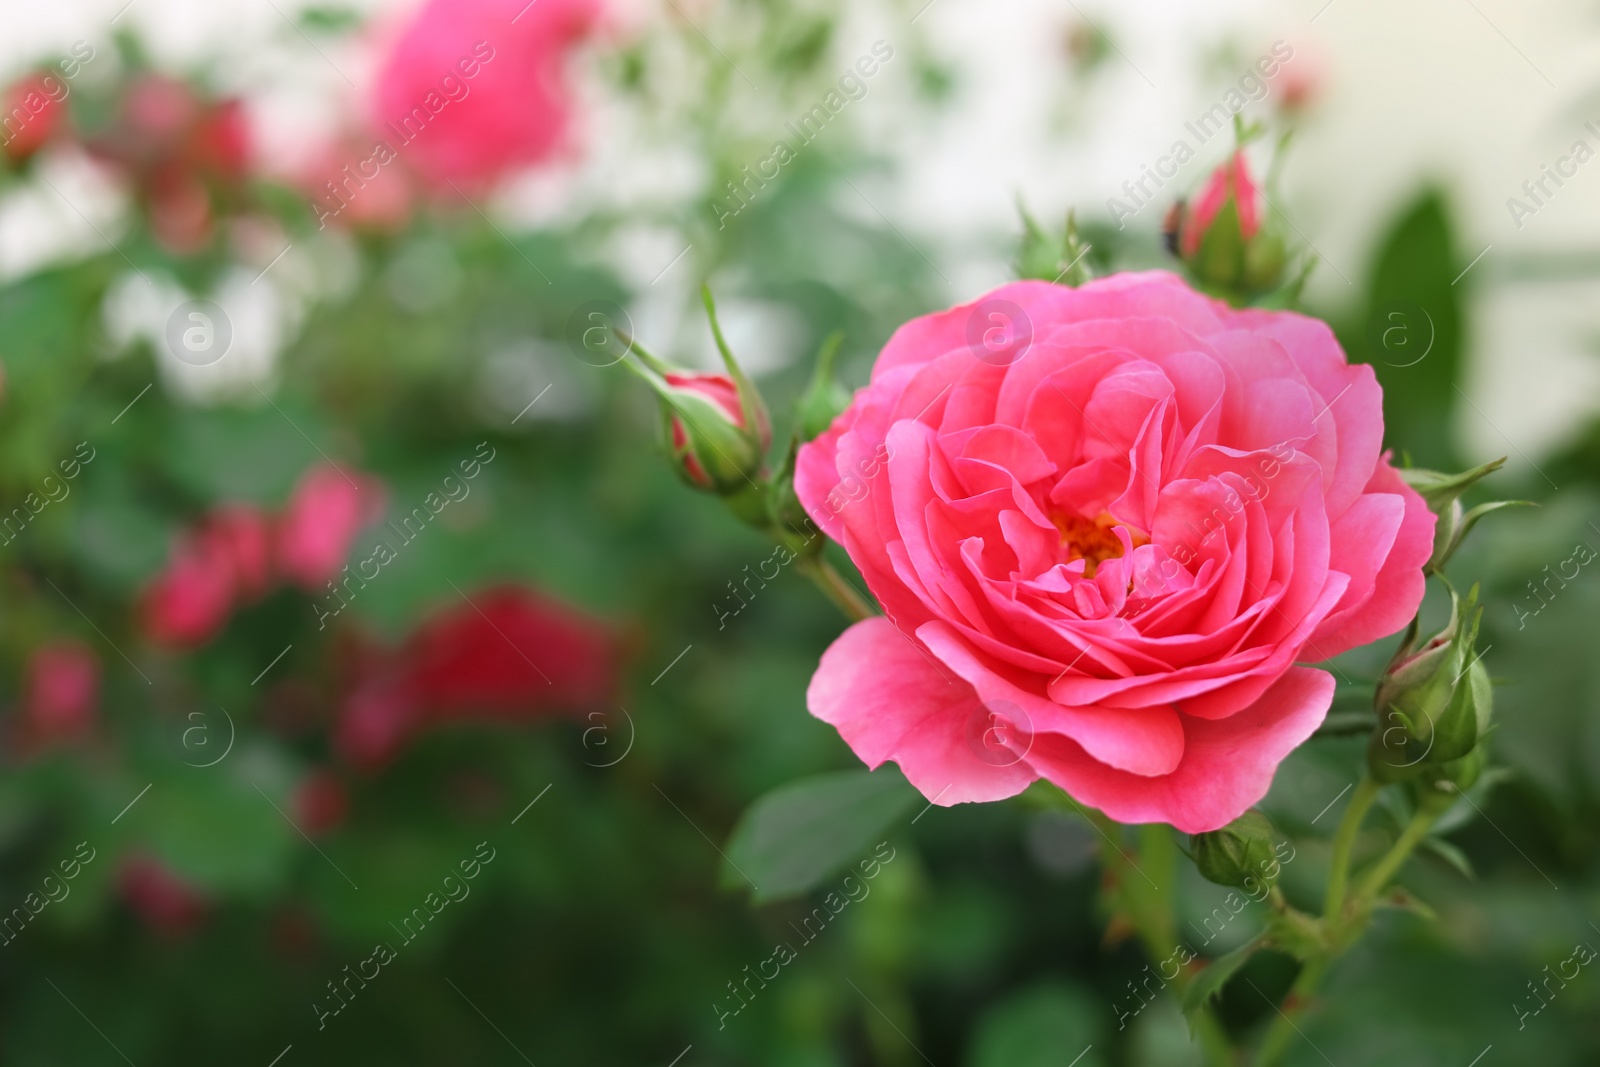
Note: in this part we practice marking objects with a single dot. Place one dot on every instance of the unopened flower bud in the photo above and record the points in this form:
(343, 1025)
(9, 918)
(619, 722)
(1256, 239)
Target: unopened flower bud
(717, 428)
(1240, 854)
(1432, 703)
(1222, 234)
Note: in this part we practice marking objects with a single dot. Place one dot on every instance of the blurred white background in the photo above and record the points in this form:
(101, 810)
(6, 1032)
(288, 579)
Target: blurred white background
(1474, 95)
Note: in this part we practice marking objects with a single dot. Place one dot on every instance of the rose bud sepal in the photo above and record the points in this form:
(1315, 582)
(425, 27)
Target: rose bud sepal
(1238, 854)
(825, 398)
(1443, 492)
(790, 524)
(750, 402)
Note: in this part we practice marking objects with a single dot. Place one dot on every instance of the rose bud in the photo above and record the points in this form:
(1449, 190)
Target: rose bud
(1443, 495)
(1239, 853)
(717, 427)
(824, 398)
(33, 111)
(1221, 235)
(1428, 701)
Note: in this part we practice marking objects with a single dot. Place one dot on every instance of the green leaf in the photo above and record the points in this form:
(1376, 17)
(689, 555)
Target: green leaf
(1214, 975)
(1450, 854)
(1412, 329)
(1046, 1025)
(797, 835)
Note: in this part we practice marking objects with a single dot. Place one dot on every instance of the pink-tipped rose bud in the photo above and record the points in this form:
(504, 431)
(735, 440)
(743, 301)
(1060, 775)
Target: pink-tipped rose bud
(328, 508)
(62, 693)
(717, 426)
(1222, 237)
(707, 432)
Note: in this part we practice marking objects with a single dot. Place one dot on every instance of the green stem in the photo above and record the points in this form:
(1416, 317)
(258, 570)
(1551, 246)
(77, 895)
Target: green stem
(1141, 898)
(838, 590)
(1380, 874)
(1344, 840)
(1284, 1027)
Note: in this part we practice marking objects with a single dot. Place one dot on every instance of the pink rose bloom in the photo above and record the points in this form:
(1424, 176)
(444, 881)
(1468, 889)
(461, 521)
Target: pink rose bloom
(473, 87)
(1232, 180)
(1104, 524)
(328, 508)
(62, 692)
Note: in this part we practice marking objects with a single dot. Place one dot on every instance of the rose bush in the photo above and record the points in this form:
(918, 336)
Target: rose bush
(1112, 521)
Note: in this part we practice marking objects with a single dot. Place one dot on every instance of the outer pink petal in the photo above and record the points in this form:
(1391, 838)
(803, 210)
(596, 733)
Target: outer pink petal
(889, 701)
(1227, 765)
(1398, 588)
(1142, 741)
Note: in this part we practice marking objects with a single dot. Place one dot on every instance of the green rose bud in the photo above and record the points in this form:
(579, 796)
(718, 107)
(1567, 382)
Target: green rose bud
(1432, 704)
(1240, 854)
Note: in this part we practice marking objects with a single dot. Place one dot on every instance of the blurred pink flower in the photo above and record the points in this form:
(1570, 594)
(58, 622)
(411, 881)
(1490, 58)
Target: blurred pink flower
(321, 802)
(164, 900)
(62, 692)
(242, 535)
(510, 654)
(33, 110)
(473, 87)
(188, 602)
(185, 155)
(328, 508)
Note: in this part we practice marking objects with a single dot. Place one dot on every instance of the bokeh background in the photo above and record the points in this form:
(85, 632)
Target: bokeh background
(254, 776)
